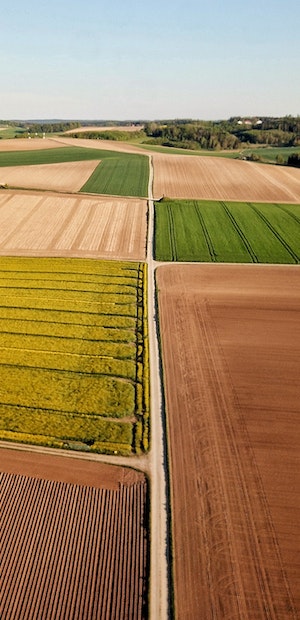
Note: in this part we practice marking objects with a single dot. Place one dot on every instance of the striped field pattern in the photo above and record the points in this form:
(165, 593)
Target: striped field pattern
(73, 353)
(229, 232)
(71, 552)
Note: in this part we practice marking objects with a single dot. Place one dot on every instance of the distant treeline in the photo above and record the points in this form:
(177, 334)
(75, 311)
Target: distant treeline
(51, 127)
(61, 126)
(121, 136)
(236, 133)
(229, 134)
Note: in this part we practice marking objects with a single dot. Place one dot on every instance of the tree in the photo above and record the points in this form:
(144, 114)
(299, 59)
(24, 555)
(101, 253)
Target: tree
(294, 160)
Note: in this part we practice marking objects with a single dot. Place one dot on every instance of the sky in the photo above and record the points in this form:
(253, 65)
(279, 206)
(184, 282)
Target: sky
(141, 60)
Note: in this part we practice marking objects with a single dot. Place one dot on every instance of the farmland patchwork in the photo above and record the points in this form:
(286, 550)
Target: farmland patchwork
(121, 174)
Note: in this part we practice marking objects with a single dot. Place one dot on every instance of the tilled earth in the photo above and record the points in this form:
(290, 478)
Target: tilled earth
(231, 344)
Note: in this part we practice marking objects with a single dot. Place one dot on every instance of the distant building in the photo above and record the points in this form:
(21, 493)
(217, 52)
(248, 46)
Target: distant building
(248, 122)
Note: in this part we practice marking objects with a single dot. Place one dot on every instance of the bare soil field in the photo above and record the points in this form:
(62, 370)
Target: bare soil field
(70, 470)
(63, 177)
(218, 178)
(24, 144)
(231, 346)
(45, 224)
(71, 551)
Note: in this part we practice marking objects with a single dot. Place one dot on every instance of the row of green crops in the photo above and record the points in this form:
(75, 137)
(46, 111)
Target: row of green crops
(73, 367)
(211, 231)
(122, 174)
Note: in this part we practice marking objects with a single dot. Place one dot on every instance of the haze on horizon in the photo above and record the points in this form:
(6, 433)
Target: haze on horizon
(151, 60)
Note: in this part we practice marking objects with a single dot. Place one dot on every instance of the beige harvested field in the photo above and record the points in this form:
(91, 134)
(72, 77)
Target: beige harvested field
(63, 177)
(103, 145)
(45, 224)
(24, 144)
(231, 349)
(218, 178)
(71, 550)
(128, 128)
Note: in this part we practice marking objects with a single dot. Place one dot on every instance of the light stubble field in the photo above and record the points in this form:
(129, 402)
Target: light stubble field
(177, 176)
(63, 177)
(25, 144)
(230, 345)
(45, 224)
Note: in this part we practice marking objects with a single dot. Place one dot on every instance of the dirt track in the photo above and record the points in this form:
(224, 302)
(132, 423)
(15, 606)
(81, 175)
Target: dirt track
(231, 346)
(48, 224)
(218, 178)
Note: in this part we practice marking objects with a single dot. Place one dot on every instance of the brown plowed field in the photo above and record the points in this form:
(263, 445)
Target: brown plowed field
(70, 551)
(218, 178)
(45, 224)
(67, 469)
(231, 348)
(24, 144)
(65, 177)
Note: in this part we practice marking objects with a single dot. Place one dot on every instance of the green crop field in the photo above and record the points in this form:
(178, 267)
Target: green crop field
(269, 154)
(209, 231)
(124, 176)
(171, 150)
(119, 174)
(74, 354)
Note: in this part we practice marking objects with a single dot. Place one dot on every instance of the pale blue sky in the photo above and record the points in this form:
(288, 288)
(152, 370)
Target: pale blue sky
(122, 59)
